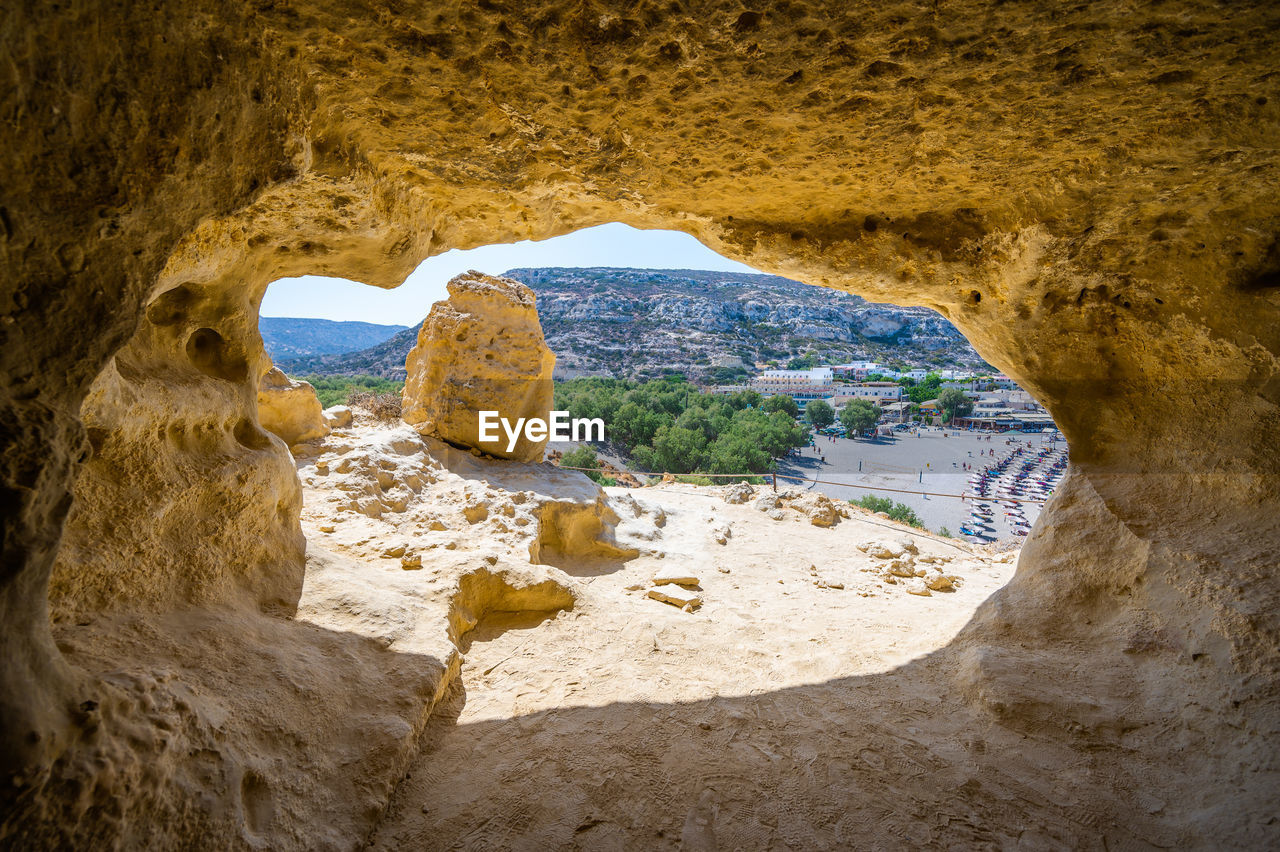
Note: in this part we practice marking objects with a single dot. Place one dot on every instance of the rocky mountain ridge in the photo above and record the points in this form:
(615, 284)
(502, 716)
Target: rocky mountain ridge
(286, 338)
(632, 323)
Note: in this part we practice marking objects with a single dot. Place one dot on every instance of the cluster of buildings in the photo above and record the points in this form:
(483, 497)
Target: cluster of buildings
(999, 404)
(1002, 410)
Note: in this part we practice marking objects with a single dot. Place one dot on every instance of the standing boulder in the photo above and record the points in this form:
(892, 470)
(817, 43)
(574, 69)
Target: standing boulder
(480, 350)
(290, 408)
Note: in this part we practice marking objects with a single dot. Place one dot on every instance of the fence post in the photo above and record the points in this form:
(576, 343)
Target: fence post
(775, 483)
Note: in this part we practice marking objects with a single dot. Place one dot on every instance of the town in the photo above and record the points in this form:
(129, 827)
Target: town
(995, 402)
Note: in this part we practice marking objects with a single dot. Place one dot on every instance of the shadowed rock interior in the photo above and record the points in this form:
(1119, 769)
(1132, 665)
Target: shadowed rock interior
(1089, 193)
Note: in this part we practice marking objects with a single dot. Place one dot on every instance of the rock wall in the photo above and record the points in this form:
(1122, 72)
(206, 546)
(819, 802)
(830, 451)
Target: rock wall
(481, 350)
(1088, 193)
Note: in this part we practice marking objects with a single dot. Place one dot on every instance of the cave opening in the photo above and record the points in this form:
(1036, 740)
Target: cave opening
(1082, 191)
(387, 510)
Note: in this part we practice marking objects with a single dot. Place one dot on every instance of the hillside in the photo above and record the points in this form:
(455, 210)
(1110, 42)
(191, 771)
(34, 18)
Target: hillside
(287, 338)
(632, 323)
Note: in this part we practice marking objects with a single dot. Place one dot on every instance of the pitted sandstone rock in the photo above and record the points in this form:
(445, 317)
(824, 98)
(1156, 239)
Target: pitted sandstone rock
(289, 408)
(1088, 192)
(480, 350)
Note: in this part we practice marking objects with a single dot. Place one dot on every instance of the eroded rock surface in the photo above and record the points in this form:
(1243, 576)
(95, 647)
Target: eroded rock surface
(385, 492)
(481, 350)
(1089, 193)
(289, 408)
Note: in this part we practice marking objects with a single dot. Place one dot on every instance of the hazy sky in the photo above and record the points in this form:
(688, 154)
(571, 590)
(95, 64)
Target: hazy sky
(604, 245)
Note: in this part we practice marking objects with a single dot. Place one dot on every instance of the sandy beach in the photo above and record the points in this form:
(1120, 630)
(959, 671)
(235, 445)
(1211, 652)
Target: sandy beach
(931, 460)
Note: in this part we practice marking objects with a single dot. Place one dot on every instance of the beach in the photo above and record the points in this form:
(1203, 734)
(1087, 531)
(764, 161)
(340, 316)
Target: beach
(931, 461)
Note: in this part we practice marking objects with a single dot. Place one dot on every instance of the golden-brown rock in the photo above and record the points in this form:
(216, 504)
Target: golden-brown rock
(289, 408)
(481, 350)
(1090, 192)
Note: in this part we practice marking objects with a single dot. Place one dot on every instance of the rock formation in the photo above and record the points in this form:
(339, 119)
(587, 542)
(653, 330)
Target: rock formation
(337, 417)
(289, 408)
(1089, 193)
(480, 350)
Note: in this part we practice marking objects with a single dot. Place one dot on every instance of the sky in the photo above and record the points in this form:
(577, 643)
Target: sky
(604, 245)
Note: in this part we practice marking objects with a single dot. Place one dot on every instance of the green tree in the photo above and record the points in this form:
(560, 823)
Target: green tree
(859, 415)
(697, 419)
(735, 453)
(782, 402)
(679, 450)
(804, 363)
(954, 403)
(925, 389)
(743, 399)
(633, 425)
(820, 414)
(583, 456)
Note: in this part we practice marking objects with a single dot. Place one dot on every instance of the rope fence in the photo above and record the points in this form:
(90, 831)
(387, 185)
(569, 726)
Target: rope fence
(776, 476)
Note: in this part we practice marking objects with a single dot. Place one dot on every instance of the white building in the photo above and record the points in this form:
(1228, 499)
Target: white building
(877, 392)
(801, 385)
(856, 370)
(817, 375)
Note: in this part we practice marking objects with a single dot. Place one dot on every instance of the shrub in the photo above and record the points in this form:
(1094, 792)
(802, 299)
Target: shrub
(337, 390)
(873, 503)
(896, 511)
(584, 457)
(903, 513)
(383, 406)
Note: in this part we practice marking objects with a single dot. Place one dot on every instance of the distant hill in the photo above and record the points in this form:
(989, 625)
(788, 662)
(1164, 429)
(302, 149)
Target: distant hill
(287, 338)
(385, 359)
(632, 323)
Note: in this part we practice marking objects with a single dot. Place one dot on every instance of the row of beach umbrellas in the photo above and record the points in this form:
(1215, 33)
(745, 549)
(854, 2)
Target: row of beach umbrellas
(1021, 475)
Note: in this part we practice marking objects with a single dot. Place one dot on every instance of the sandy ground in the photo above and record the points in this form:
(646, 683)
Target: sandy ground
(811, 700)
(929, 461)
(574, 731)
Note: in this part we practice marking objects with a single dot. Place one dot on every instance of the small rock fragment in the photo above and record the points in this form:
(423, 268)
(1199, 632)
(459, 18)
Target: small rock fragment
(916, 586)
(941, 583)
(676, 596)
(679, 578)
(901, 568)
(766, 502)
(338, 416)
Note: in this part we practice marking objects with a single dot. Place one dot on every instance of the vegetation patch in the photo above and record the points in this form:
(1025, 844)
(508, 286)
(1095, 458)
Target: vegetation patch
(900, 512)
(667, 425)
(337, 390)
